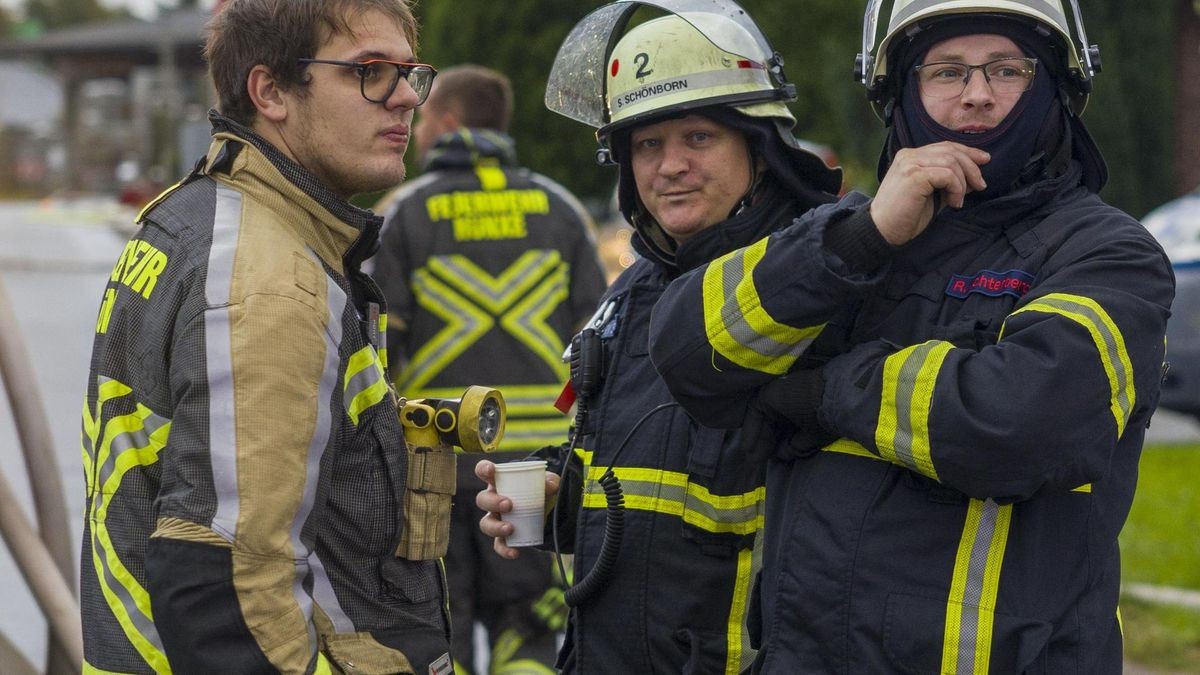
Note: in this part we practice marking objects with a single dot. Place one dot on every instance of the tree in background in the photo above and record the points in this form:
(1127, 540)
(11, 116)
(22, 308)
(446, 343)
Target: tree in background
(1132, 113)
(520, 39)
(6, 23)
(51, 14)
(1187, 95)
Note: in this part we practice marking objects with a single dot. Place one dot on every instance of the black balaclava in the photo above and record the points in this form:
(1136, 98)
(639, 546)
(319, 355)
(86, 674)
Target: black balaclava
(1011, 143)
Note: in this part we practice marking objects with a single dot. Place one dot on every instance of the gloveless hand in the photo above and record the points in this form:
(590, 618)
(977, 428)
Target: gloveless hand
(917, 178)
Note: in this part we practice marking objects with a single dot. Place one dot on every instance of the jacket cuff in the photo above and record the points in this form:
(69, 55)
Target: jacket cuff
(857, 241)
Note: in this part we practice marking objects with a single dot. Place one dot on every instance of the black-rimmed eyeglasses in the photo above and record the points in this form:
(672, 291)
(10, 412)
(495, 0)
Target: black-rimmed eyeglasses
(947, 79)
(378, 77)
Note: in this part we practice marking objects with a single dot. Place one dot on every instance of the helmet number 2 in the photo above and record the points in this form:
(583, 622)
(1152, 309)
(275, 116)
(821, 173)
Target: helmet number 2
(642, 59)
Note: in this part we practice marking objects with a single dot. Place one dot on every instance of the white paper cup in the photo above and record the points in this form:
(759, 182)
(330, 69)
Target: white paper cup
(524, 483)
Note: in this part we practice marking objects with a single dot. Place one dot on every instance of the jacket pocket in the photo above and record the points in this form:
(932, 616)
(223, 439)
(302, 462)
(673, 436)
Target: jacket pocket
(427, 495)
(915, 639)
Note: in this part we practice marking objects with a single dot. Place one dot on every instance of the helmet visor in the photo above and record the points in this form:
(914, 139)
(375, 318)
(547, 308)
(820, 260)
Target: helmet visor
(575, 88)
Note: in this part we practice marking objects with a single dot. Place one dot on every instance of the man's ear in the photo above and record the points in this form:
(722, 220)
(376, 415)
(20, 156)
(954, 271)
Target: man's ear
(264, 91)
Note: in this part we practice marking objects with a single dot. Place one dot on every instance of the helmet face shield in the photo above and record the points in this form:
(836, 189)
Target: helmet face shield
(577, 86)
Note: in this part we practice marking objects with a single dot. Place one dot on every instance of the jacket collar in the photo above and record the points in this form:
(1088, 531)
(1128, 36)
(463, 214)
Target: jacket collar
(467, 147)
(252, 163)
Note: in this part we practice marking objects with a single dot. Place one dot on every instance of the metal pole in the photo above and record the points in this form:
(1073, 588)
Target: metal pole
(37, 445)
(49, 588)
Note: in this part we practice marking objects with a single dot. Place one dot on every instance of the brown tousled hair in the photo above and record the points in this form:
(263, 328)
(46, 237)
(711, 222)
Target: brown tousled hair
(276, 33)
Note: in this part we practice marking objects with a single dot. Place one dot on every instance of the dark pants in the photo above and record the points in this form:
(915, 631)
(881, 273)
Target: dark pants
(517, 601)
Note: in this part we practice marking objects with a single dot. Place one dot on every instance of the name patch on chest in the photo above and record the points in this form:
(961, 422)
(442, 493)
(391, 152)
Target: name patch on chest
(1013, 282)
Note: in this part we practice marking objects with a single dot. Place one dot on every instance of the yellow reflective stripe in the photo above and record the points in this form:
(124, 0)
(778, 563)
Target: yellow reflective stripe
(468, 298)
(381, 327)
(971, 607)
(465, 324)
(127, 429)
(909, 376)
(491, 177)
(496, 293)
(521, 667)
(527, 320)
(322, 667)
(670, 493)
(106, 390)
(125, 426)
(522, 434)
(584, 456)
(738, 326)
(1110, 346)
(365, 383)
(520, 400)
(737, 612)
(1086, 488)
(848, 447)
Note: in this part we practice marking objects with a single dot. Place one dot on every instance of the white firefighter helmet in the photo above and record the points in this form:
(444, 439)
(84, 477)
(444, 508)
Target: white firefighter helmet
(703, 53)
(1063, 32)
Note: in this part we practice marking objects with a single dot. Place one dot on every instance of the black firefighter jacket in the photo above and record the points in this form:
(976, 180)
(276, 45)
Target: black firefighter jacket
(488, 269)
(245, 463)
(989, 390)
(677, 598)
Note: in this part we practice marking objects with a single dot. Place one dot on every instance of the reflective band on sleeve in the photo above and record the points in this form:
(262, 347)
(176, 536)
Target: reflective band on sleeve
(737, 325)
(128, 441)
(670, 493)
(909, 376)
(1110, 346)
(365, 383)
(222, 433)
(971, 607)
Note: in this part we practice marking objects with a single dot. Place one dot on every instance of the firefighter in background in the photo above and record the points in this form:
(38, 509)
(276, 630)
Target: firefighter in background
(693, 113)
(488, 269)
(961, 437)
(243, 454)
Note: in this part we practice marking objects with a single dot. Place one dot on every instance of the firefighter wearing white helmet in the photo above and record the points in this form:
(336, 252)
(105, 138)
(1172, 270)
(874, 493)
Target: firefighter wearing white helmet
(961, 402)
(691, 107)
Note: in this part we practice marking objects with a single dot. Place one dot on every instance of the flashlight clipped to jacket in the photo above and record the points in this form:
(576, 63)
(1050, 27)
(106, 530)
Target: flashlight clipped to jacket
(432, 429)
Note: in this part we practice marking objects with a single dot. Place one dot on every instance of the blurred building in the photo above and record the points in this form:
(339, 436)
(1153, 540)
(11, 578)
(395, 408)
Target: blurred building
(132, 96)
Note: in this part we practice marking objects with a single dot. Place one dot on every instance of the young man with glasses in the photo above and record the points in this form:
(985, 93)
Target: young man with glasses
(247, 473)
(957, 446)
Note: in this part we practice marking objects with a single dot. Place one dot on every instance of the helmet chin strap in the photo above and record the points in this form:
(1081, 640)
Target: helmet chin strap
(756, 174)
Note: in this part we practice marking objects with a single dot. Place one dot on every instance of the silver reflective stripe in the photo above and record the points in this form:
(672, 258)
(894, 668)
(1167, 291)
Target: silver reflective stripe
(973, 591)
(222, 434)
(461, 324)
(130, 440)
(530, 315)
(335, 299)
(361, 381)
(910, 372)
(732, 273)
(1112, 344)
(125, 442)
(143, 624)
